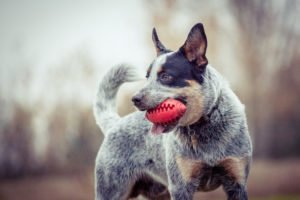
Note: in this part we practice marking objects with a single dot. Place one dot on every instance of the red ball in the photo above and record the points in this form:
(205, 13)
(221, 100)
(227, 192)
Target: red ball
(166, 112)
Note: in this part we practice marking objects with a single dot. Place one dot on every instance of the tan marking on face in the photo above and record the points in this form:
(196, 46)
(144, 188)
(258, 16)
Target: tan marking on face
(235, 168)
(189, 168)
(194, 103)
(159, 70)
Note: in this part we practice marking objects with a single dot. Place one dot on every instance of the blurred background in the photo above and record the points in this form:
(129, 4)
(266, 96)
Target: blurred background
(54, 53)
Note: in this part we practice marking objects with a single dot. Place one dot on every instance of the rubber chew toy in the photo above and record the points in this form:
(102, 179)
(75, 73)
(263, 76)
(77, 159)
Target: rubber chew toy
(166, 112)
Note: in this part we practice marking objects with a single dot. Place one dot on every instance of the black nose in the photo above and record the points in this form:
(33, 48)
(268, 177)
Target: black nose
(137, 99)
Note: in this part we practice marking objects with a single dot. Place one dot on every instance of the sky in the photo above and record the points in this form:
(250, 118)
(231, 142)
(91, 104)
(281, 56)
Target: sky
(40, 35)
(47, 30)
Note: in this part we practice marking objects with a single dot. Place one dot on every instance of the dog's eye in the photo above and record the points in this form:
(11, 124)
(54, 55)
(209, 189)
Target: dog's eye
(165, 78)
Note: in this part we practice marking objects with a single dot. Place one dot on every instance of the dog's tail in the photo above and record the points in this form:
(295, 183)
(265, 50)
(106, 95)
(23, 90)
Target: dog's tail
(105, 110)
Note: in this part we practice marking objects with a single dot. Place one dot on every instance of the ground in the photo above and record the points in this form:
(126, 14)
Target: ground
(276, 180)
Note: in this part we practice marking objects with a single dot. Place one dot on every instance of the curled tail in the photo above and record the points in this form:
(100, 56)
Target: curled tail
(105, 110)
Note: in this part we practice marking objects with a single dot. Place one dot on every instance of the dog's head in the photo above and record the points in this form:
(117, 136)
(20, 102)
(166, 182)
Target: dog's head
(179, 75)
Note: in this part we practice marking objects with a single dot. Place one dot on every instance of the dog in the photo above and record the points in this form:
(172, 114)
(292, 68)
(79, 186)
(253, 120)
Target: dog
(208, 147)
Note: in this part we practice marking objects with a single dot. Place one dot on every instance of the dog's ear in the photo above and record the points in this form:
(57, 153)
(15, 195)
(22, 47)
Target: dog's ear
(160, 48)
(194, 48)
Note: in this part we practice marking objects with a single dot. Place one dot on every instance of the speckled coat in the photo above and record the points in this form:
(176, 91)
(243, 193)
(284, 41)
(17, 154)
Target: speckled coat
(208, 147)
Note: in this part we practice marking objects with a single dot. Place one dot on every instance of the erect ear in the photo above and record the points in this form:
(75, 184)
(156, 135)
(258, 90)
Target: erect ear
(195, 46)
(160, 48)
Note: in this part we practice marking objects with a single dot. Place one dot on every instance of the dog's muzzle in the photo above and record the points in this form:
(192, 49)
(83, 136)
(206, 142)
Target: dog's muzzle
(138, 101)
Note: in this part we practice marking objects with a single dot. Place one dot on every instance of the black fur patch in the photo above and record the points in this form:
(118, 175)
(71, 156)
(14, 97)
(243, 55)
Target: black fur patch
(181, 70)
(149, 70)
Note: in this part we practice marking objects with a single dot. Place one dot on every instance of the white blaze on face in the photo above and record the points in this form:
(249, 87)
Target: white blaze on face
(156, 86)
(158, 63)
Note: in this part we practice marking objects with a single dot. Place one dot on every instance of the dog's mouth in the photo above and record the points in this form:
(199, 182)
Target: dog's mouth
(181, 99)
(157, 129)
(166, 115)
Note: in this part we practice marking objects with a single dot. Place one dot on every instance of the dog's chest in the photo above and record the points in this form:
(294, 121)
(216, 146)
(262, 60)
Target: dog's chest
(210, 177)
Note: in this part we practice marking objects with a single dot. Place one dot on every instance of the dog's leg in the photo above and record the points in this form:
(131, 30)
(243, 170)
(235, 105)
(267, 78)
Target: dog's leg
(114, 175)
(235, 191)
(113, 183)
(181, 172)
(121, 161)
(150, 189)
(120, 183)
(234, 183)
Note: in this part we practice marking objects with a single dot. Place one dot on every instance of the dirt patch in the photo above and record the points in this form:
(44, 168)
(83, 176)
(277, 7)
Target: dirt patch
(269, 180)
